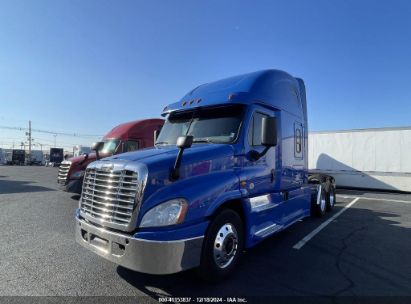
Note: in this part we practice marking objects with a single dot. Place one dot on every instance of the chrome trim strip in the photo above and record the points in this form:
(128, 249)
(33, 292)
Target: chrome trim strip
(269, 229)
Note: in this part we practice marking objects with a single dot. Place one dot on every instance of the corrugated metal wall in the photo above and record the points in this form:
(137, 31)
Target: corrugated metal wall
(371, 158)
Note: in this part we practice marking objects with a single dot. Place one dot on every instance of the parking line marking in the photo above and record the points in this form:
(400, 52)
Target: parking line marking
(375, 199)
(309, 236)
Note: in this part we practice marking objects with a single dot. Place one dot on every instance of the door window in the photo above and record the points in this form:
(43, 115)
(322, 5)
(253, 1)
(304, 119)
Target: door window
(131, 145)
(254, 132)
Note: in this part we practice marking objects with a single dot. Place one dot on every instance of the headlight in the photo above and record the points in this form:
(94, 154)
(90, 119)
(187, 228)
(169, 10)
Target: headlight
(77, 174)
(169, 213)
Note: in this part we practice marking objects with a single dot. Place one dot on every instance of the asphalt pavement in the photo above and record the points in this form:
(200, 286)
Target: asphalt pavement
(364, 251)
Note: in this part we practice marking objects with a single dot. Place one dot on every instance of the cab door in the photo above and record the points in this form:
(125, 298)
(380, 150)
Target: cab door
(262, 178)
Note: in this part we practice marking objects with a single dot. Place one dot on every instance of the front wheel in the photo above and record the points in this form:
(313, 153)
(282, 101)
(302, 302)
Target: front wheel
(222, 246)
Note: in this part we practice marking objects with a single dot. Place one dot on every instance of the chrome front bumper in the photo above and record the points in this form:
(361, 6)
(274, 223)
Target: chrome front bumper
(154, 257)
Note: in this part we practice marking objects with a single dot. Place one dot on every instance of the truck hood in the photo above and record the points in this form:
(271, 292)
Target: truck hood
(153, 167)
(197, 152)
(91, 157)
(80, 158)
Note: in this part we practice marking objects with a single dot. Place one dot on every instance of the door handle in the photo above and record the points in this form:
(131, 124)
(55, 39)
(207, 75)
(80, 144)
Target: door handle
(272, 175)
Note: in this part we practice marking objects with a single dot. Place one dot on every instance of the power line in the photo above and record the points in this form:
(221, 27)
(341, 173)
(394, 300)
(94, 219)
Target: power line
(49, 132)
(49, 142)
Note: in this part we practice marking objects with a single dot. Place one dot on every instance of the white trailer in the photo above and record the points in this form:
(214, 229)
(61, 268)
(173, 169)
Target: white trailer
(9, 156)
(365, 158)
(37, 157)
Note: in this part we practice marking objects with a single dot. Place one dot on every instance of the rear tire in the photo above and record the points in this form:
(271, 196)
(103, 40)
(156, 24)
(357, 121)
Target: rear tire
(331, 198)
(318, 210)
(222, 246)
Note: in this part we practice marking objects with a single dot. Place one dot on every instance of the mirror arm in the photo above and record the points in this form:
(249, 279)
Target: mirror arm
(255, 155)
(265, 151)
(175, 172)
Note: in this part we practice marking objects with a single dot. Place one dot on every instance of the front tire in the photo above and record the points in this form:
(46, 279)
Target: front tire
(222, 246)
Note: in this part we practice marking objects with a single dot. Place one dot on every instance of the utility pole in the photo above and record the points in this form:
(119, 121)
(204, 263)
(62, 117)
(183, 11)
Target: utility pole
(55, 135)
(29, 141)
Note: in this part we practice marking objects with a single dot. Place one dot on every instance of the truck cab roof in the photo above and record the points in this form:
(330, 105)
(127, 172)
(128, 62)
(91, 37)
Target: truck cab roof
(134, 129)
(275, 88)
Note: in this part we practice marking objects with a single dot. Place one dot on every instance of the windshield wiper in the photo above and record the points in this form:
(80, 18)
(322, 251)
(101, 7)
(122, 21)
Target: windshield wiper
(162, 143)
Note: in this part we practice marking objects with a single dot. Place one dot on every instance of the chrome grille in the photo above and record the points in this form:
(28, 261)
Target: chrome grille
(63, 171)
(110, 196)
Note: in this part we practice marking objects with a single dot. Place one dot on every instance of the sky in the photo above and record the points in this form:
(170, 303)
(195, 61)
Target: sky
(84, 66)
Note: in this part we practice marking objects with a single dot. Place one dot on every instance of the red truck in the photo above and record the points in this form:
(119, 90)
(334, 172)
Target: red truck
(126, 137)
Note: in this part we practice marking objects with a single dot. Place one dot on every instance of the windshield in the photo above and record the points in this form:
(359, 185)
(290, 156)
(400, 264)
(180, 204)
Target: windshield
(110, 146)
(210, 125)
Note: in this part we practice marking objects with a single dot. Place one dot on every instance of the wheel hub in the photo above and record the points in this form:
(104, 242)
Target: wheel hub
(225, 245)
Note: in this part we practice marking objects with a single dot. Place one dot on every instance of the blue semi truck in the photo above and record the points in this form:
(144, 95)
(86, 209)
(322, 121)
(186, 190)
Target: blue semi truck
(229, 169)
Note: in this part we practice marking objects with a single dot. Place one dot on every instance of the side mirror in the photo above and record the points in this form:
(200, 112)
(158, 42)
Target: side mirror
(184, 142)
(268, 137)
(97, 146)
(269, 131)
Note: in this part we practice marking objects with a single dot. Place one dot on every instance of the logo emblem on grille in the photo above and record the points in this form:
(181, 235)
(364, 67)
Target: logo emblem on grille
(107, 167)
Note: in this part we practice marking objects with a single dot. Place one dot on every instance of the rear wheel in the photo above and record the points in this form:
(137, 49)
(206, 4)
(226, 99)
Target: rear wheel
(319, 207)
(222, 246)
(331, 198)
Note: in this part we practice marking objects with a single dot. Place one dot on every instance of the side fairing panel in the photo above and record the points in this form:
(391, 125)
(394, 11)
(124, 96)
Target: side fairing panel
(294, 168)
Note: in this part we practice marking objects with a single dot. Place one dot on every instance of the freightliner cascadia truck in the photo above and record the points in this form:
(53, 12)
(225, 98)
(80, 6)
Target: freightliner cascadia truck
(126, 137)
(229, 169)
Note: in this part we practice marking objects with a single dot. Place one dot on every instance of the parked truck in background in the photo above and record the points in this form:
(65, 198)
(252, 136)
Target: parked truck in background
(3, 159)
(9, 157)
(56, 156)
(228, 170)
(126, 137)
(18, 157)
(36, 158)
